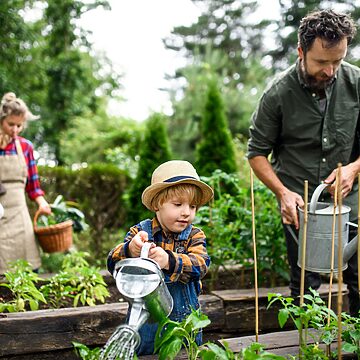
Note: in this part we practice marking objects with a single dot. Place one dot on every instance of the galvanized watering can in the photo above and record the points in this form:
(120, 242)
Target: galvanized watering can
(319, 235)
(141, 282)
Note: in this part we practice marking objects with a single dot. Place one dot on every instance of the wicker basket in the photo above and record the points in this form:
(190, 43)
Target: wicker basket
(54, 238)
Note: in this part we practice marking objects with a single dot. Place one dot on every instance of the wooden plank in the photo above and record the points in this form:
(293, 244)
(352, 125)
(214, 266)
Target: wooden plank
(213, 307)
(249, 294)
(239, 308)
(280, 343)
(46, 330)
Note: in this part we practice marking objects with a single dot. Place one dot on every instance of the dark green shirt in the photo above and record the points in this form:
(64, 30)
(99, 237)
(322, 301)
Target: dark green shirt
(307, 142)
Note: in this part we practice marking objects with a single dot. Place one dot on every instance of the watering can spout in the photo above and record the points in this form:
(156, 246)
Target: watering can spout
(350, 249)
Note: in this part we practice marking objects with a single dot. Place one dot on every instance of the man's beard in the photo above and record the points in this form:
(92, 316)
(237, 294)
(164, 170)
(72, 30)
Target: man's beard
(311, 80)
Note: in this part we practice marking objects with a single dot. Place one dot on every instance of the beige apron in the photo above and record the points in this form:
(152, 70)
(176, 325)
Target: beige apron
(17, 239)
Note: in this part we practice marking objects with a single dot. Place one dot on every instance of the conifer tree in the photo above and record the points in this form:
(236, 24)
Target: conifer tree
(216, 148)
(154, 151)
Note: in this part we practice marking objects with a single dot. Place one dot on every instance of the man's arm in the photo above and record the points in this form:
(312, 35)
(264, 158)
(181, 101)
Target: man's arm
(288, 200)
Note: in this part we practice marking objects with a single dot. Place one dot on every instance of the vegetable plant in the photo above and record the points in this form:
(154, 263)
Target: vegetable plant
(351, 334)
(61, 211)
(76, 280)
(21, 282)
(313, 314)
(85, 353)
(172, 336)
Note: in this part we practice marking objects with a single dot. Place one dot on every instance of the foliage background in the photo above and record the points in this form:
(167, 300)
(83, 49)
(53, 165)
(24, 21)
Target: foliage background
(104, 162)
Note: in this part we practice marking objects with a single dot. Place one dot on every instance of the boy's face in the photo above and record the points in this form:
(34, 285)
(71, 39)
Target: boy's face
(176, 214)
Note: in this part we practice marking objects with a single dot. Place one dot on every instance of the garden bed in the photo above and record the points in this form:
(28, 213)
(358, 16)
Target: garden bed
(48, 334)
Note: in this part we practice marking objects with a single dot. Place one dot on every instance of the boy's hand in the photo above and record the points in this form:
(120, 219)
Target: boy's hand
(137, 243)
(160, 256)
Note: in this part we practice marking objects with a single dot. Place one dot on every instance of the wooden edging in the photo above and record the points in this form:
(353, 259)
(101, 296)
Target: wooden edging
(34, 332)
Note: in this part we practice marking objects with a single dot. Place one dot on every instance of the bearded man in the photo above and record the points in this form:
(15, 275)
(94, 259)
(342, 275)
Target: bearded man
(307, 120)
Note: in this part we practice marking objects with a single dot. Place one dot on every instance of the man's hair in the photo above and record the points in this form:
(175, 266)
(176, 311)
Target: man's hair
(190, 192)
(327, 25)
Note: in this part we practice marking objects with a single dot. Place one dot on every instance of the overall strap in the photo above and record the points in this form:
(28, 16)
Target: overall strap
(184, 235)
(147, 227)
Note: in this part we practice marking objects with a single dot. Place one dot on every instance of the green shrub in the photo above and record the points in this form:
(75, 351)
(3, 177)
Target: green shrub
(227, 223)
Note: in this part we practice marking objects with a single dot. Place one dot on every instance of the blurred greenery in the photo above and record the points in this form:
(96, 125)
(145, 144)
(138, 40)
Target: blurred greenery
(106, 161)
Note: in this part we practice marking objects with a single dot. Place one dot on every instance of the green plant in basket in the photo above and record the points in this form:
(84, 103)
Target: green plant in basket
(62, 211)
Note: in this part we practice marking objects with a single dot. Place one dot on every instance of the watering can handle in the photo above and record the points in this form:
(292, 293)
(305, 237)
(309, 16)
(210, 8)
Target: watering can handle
(315, 197)
(145, 250)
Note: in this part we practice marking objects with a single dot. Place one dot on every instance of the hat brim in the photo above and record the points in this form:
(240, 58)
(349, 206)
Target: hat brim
(151, 191)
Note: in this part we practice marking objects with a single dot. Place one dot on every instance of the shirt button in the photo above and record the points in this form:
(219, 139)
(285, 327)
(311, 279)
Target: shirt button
(313, 95)
(323, 160)
(325, 139)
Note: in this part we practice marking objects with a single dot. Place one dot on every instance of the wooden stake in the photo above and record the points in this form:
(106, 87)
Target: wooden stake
(303, 262)
(255, 258)
(358, 233)
(340, 262)
(303, 245)
(328, 350)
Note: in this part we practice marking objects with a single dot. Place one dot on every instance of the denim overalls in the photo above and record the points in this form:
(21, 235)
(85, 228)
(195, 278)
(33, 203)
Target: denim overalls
(185, 297)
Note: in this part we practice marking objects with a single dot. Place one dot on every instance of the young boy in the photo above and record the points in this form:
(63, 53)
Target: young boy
(175, 194)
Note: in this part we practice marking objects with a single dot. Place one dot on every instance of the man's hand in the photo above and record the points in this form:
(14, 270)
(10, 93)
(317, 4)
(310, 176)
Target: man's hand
(289, 201)
(348, 174)
(137, 243)
(159, 255)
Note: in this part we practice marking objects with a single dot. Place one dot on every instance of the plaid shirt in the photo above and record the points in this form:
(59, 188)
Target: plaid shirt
(188, 260)
(32, 184)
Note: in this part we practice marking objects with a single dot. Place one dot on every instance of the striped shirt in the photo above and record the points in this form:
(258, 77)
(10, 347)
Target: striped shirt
(188, 260)
(32, 188)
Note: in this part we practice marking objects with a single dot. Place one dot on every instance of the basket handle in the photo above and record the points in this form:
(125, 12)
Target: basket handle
(35, 219)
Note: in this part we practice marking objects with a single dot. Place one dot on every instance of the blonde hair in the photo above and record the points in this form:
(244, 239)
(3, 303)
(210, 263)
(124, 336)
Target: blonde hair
(190, 192)
(11, 105)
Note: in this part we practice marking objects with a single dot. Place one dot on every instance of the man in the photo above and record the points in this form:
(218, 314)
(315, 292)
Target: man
(307, 119)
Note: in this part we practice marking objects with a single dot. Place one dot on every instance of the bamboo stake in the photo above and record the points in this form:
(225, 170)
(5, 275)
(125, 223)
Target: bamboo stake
(303, 245)
(255, 258)
(328, 350)
(358, 233)
(340, 262)
(303, 262)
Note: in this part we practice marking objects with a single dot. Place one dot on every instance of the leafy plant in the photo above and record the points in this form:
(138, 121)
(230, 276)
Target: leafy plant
(62, 211)
(312, 314)
(172, 336)
(227, 223)
(21, 282)
(351, 334)
(76, 280)
(85, 353)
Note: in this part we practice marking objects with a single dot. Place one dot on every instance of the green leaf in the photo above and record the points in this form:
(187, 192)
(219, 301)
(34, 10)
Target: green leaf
(170, 349)
(283, 317)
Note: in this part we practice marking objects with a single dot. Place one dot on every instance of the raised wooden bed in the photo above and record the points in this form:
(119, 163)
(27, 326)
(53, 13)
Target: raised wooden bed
(48, 334)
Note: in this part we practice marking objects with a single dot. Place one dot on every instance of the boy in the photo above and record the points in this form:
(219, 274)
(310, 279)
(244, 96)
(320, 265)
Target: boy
(175, 194)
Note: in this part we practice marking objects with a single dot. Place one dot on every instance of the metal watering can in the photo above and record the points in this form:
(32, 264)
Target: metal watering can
(319, 235)
(141, 282)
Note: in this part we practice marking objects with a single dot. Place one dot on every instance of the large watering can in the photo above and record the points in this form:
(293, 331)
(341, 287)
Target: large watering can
(319, 235)
(141, 282)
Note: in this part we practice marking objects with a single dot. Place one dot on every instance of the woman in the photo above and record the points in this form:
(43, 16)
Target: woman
(18, 174)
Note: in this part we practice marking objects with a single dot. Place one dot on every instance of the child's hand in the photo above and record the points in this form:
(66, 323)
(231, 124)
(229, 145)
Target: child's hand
(137, 243)
(160, 256)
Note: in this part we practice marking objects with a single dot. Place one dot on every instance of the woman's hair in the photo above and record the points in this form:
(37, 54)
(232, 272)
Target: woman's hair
(190, 192)
(11, 105)
(327, 25)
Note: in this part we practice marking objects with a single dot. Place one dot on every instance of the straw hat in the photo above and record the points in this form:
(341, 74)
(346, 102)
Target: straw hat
(172, 173)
